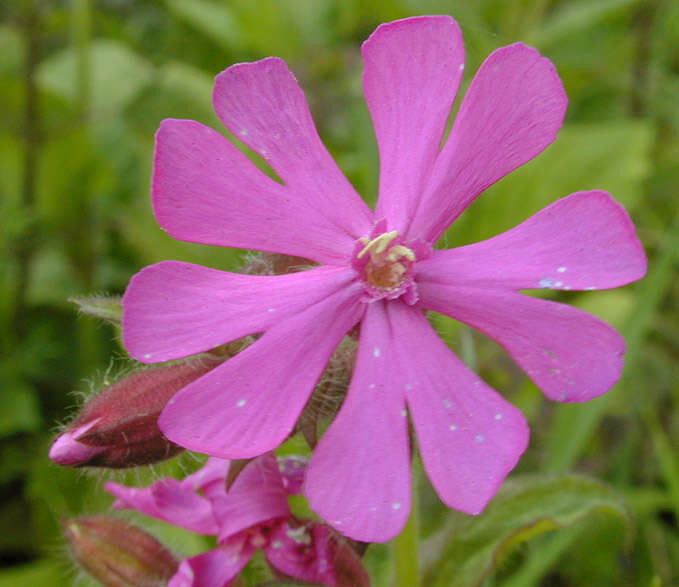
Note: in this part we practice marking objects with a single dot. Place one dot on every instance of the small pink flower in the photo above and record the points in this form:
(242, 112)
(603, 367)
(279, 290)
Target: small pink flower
(253, 514)
(378, 268)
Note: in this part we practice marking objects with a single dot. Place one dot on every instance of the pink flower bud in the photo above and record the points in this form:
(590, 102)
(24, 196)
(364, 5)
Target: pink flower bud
(117, 553)
(118, 427)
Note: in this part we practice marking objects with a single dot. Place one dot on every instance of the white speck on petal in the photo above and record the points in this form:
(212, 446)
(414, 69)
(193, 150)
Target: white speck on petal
(498, 416)
(479, 438)
(567, 287)
(244, 132)
(561, 269)
(276, 544)
(558, 283)
(373, 509)
(590, 288)
(461, 66)
(240, 403)
(408, 386)
(447, 403)
(271, 310)
(396, 506)
(452, 427)
(148, 355)
(546, 282)
(371, 386)
(404, 413)
(171, 401)
(376, 352)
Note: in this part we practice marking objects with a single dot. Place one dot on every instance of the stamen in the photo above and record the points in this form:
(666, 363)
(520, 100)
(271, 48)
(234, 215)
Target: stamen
(379, 243)
(398, 251)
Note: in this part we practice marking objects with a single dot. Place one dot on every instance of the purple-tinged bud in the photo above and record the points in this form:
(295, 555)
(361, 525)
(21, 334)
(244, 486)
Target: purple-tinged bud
(349, 568)
(118, 554)
(67, 451)
(118, 427)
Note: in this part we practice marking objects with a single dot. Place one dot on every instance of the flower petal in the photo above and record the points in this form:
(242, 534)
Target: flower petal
(167, 500)
(257, 496)
(412, 73)
(303, 552)
(262, 104)
(215, 568)
(358, 479)
(206, 191)
(248, 405)
(513, 109)
(583, 241)
(571, 355)
(209, 478)
(174, 309)
(469, 437)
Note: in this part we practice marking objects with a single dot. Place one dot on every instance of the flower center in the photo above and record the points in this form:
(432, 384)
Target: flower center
(386, 268)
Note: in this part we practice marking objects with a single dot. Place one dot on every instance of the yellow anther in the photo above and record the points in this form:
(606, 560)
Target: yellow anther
(378, 244)
(398, 251)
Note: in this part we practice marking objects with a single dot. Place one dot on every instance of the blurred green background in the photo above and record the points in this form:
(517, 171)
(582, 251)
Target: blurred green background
(83, 88)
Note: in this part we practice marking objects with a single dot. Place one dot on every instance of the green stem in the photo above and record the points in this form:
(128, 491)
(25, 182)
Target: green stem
(80, 34)
(406, 545)
(32, 135)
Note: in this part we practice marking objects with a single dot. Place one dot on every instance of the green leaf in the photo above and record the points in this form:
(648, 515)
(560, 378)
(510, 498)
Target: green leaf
(11, 50)
(611, 156)
(575, 17)
(210, 18)
(524, 508)
(20, 412)
(118, 74)
(43, 572)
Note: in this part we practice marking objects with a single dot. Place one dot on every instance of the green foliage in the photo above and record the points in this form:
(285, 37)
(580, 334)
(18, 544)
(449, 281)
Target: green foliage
(118, 75)
(77, 223)
(523, 509)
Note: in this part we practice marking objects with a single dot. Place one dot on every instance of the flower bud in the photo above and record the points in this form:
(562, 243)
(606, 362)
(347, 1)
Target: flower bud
(118, 554)
(118, 427)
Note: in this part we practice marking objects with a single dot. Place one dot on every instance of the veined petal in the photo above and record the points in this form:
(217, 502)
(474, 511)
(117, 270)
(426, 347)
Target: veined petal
(257, 496)
(206, 191)
(167, 500)
(248, 405)
(209, 477)
(215, 568)
(412, 73)
(262, 104)
(583, 241)
(513, 109)
(358, 479)
(173, 309)
(469, 437)
(303, 552)
(571, 355)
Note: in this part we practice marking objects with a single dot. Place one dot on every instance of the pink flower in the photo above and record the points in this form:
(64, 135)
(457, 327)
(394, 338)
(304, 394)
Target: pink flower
(253, 514)
(378, 268)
